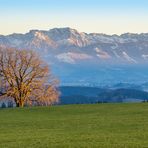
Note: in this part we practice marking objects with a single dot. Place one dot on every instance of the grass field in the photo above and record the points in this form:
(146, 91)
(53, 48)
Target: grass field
(76, 126)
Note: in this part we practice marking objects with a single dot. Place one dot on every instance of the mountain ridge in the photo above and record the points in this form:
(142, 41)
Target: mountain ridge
(56, 28)
(70, 43)
(82, 58)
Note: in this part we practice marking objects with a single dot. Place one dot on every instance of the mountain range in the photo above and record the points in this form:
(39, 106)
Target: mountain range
(79, 58)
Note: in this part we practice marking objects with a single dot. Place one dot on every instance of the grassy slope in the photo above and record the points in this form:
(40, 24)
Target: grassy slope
(102, 125)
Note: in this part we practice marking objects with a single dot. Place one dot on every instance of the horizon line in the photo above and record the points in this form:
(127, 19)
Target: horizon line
(118, 34)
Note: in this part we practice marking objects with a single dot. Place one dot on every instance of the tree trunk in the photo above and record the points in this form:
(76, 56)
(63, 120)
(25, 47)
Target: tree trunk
(17, 104)
(21, 103)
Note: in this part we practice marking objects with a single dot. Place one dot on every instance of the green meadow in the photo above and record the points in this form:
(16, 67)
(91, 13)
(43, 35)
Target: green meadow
(75, 126)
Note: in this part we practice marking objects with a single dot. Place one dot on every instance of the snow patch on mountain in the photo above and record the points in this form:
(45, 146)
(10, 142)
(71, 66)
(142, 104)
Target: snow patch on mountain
(42, 41)
(126, 56)
(102, 54)
(94, 37)
(71, 57)
(145, 56)
(40, 35)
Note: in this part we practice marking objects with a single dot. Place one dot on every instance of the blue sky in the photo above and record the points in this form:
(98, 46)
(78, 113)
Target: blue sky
(102, 16)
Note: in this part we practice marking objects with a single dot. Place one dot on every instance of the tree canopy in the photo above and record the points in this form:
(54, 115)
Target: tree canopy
(25, 78)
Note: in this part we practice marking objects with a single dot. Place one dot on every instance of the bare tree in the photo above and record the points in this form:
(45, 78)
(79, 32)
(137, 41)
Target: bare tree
(26, 78)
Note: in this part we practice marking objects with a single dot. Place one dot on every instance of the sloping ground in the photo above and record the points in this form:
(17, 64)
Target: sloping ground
(99, 125)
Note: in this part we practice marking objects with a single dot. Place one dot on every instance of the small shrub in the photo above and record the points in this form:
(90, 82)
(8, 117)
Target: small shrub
(3, 105)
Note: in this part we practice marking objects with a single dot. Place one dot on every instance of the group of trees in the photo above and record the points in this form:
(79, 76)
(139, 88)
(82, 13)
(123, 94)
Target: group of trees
(26, 79)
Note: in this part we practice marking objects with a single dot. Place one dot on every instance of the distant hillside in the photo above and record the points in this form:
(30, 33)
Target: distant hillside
(84, 95)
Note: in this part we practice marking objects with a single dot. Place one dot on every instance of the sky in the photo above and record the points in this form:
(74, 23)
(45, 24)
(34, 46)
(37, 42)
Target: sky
(99, 16)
